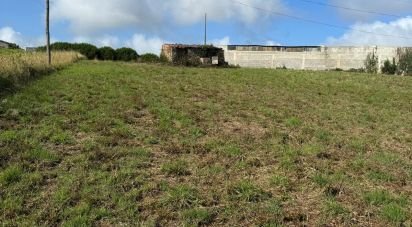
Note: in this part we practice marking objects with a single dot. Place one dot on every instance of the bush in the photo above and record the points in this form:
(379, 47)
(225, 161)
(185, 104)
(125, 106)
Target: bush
(62, 46)
(149, 58)
(92, 52)
(86, 49)
(14, 46)
(163, 58)
(371, 63)
(106, 53)
(405, 62)
(126, 54)
(389, 68)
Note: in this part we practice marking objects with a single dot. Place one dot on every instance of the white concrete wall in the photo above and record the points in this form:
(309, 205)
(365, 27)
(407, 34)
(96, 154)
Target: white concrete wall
(323, 58)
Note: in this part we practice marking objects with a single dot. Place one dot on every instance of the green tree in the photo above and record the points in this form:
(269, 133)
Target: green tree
(126, 54)
(405, 62)
(389, 67)
(371, 63)
(149, 58)
(106, 53)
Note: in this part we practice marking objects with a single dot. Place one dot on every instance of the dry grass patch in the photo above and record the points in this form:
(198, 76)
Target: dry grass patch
(19, 67)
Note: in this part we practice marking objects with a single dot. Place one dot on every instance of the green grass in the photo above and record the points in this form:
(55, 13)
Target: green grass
(248, 192)
(103, 143)
(178, 168)
(10, 175)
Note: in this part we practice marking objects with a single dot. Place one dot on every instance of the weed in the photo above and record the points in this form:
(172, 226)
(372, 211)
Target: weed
(181, 197)
(380, 176)
(394, 213)
(378, 197)
(39, 154)
(178, 168)
(232, 151)
(280, 181)
(323, 136)
(248, 192)
(10, 175)
(11, 206)
(293, 122)
(334, 208)
(197, 217)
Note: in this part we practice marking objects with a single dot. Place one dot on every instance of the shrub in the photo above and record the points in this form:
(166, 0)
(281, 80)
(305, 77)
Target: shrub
(149, 58)
(389, 67)
(88, 50)
(126, 54)
(371, 63)
(14, 46)
(62, 46)
(405, 61)
(163, 58)
(106, 53)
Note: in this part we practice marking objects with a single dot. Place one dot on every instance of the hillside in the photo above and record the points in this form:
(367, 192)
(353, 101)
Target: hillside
(103, 143)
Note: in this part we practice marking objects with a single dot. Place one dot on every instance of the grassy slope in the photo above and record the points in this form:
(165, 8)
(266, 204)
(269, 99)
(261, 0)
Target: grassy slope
(114, 143)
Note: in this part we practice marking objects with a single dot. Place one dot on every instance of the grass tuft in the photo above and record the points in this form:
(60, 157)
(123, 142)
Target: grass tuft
(181, 197)
(198, 217)
(11, 175)
(177, 168)
(246, 191)
(394, 213)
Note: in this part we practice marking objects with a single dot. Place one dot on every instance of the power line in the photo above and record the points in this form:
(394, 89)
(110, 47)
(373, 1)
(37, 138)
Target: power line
(350, 9)
(317, 22)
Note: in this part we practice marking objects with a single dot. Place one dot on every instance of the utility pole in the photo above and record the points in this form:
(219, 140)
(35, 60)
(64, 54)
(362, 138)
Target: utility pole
(205, 29)
(48, 31)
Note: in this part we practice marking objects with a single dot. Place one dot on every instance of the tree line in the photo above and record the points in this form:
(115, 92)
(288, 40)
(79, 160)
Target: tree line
(106, 53)
(92, 52)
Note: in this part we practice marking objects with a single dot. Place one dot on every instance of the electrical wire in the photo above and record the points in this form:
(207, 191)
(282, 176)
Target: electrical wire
(351, 9)
(316, 22)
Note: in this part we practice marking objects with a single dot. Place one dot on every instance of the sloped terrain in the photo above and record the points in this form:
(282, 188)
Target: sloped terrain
(133, 144)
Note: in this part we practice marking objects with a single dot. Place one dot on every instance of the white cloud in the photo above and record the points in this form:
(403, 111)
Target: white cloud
(108, 40)
(395, 29)
(99, 41)
(389, 7)
(192, 11)
(223, 41)
(86, 17)
(93, 16)
(8, 34)
(143, 45)
(272, 43)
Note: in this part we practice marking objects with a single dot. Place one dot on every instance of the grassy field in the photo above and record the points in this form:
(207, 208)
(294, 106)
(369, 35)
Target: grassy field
(18, 67)
(133, 144)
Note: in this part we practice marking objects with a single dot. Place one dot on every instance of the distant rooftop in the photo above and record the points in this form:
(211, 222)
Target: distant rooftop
(1, 41)
(188, 45)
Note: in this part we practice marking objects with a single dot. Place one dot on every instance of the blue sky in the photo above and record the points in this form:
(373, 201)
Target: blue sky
(146, 24)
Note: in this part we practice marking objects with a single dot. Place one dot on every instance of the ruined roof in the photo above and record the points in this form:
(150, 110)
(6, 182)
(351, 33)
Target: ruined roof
(189, 46)
(1, 41)
(279, 46)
